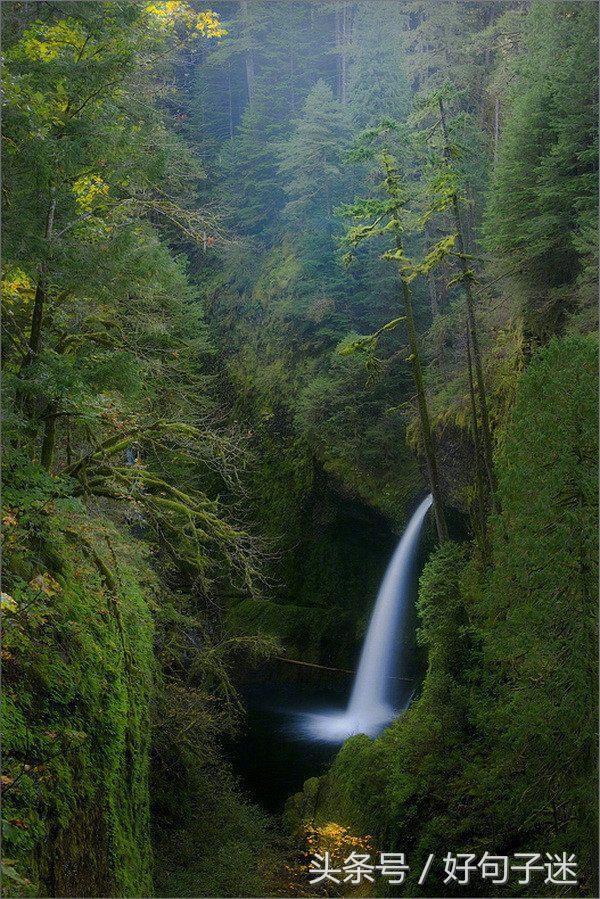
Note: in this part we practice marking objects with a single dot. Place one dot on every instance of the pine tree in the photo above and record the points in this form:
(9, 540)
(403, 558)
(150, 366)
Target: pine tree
(251, 188)
(378, 87)
(311, 161)
(276, 44)
(542, 214)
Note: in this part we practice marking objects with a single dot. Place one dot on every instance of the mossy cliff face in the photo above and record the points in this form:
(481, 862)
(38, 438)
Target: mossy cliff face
(78, 682)
(331, 551)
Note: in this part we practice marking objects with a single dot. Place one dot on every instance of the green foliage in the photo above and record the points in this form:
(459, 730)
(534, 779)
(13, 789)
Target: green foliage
(324, 443)
(313, 154)
(499, 748)
(144, 444)
(264, 70)
(210, 841)
(78, 671)
(378, 82)
(296, 626)
(538, 613)
(207, 838)
(249, 168)
(107, 434)
(109, 350)
(542, 216)
(279, 312)
(368, 342)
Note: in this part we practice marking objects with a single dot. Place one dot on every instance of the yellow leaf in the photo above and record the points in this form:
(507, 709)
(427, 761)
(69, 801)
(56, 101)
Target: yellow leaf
(170, 12)
(7, 603)
(90, 191)
(46, 584)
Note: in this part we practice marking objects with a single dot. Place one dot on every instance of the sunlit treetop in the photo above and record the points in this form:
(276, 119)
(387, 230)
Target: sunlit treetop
(68, 39)
(47, 43)
(170, 13)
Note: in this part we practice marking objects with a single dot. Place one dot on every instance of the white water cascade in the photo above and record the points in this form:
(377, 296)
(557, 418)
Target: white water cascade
(371, 702)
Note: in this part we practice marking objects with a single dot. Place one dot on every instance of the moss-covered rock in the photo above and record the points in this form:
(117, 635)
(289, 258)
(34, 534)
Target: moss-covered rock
(78, 684)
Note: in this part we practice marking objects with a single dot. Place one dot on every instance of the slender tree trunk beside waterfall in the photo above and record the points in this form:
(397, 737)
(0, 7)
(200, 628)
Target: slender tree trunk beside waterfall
(479, 473)
(477, 364)
(472, 326)
(426, 433)
(415, 360)
(384, 218)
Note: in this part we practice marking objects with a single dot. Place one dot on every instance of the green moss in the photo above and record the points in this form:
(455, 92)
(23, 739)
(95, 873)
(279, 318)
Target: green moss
(300, 627)
(78, 681)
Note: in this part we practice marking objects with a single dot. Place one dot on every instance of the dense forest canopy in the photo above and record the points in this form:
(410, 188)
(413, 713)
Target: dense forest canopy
(272, 272)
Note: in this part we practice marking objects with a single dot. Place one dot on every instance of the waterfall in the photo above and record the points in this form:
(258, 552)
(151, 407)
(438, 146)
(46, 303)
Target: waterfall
(371, 704)
(371, 696)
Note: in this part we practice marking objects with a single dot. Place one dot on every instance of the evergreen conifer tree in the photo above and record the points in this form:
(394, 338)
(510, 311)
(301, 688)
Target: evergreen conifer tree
(542, 215)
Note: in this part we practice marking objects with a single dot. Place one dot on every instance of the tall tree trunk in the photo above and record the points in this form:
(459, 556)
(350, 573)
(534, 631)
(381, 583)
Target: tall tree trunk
(496, 129)
(438, 508)
(415, 360)
(37, 316)
(249, 55)
(477, 364)
(337, 40)
(479, 473)
(442, 291)
(329, 208)
(341, 37)
(433, 295)
(344, 55)
(292, 82)
(470, 222)
(48, 440)
(69, 449)
(432, 287)
(472, 326)
(230, 98)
